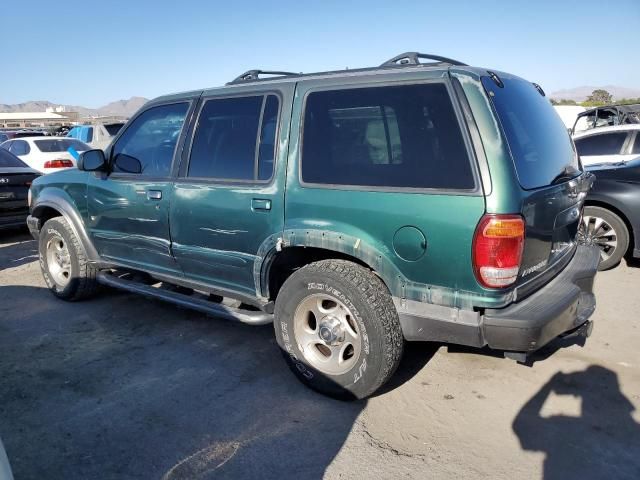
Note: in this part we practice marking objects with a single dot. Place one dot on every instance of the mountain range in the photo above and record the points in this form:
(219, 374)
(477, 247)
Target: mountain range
(124, 108)
(580, 94)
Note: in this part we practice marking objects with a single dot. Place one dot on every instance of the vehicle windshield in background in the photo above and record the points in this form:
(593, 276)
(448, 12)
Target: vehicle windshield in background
(60, 145)
(540, 145)
(114, 128)
(7, 160)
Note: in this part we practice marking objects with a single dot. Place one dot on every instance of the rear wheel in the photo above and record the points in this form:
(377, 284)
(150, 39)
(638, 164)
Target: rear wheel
(338, 329)
(607, 231)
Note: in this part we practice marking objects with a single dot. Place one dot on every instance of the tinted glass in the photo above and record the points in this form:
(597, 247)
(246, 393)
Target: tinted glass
(152, 138)
(636, 146)
(3, 137)
(7, 160)
(267, 149)
(28, 134)
(60, 145)
(224, 145)
(540, 145)
(114, 128)
(603, 144)
(20, 147)
(400, 136)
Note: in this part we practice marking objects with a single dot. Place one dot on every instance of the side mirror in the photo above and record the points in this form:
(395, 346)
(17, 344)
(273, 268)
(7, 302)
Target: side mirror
(92, 161)
(127, 163)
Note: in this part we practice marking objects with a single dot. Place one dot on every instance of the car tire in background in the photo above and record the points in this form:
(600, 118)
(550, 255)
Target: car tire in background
(606, 230)
(63, 260)
(338, 329)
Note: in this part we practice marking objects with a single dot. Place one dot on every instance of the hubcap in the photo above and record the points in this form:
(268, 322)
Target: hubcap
(597, 231)
(58, 260)
(326, 333)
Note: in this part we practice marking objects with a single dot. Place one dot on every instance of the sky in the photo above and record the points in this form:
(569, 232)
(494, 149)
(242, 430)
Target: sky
(91, 53)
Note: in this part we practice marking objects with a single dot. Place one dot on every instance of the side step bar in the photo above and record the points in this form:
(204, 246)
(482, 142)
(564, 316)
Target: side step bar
(216, 309)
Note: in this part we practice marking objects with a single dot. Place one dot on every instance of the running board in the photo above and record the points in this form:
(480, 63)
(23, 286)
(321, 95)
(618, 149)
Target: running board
(216, 309)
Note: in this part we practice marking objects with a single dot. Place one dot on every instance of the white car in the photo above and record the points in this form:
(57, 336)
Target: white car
(608, 144)
(45, 154)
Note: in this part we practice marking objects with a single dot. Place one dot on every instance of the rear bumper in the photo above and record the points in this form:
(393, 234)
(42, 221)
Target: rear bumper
(562, 305)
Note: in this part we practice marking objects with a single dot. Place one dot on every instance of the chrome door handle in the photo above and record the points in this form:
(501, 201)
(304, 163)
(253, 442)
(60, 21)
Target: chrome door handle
(260, 204)
(154, 195)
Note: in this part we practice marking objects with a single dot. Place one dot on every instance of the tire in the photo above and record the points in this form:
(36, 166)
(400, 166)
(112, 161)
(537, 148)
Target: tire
(605, 229)
(63, 261)
(362, 315)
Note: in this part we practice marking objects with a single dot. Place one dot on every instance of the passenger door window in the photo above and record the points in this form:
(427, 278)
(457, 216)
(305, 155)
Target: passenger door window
(151, 139)
(602, 144)
(235, 139)
(392, 137)
(636, 146)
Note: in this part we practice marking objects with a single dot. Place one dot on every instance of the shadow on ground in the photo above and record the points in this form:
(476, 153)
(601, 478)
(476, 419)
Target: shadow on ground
(17, 248)
(603, 441)
(121, 387)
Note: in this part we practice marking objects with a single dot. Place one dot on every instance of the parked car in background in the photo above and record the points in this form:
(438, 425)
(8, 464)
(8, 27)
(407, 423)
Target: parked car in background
(352, 210)
(96, 136)
(611, 218)
(3, 137)
(15, 180)
(24, 133)
(45, 154)
(608, 144)
(607, 116)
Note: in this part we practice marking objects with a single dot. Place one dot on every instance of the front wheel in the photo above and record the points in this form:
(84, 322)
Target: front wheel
(338, 329)
(606, 230)
(63, 261)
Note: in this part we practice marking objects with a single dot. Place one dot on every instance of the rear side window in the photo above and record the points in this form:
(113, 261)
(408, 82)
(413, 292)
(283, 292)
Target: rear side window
(602, 144)
(397, 136)
(540, 145)
(20, 147)
(235, 139)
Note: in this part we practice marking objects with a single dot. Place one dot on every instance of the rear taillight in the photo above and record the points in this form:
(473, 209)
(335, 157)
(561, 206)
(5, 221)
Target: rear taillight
(60, 163)
(497, 249)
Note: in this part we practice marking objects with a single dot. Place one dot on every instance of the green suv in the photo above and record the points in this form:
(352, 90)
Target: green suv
(354, 210)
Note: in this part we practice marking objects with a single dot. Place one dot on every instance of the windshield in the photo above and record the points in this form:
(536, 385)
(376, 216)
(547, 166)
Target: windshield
(60, 145)
(539, 142)
(8, 160)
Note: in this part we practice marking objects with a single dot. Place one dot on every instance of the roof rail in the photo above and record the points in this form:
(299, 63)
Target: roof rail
(413, 58)
(252, 75)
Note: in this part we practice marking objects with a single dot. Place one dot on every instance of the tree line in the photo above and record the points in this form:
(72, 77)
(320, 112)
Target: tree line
(596, 99)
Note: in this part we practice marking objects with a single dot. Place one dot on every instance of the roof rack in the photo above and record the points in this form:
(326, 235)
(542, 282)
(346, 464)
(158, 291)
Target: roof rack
(250, 75)
(413, 58)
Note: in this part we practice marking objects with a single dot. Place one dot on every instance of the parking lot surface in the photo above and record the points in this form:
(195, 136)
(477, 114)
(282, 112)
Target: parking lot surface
(123, 387)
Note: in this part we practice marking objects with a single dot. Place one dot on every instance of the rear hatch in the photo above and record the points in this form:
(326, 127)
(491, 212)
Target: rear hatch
(553, 183)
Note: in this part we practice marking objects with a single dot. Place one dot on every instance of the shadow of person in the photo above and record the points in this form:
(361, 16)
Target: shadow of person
(602, 442)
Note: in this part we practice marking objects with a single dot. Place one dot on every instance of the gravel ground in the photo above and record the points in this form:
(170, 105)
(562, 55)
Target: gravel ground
(123, 387)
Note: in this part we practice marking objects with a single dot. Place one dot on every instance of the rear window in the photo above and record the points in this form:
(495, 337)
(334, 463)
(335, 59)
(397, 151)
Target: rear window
(394, 136)
(539, 142)
(7, 160)
(114, 128)
(60, 145)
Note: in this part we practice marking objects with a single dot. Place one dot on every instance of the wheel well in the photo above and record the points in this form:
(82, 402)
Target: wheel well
(293, 258)
(46, 213)
(607, 206)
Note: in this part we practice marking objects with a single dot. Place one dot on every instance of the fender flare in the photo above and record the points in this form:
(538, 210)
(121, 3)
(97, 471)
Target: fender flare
(61, 202)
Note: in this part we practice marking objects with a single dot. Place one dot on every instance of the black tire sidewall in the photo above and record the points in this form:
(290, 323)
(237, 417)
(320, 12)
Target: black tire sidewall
(622, 234)
(363, 377)
(49, 229)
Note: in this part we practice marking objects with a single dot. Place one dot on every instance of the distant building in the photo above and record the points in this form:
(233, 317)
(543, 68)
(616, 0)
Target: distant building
(38, 119)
